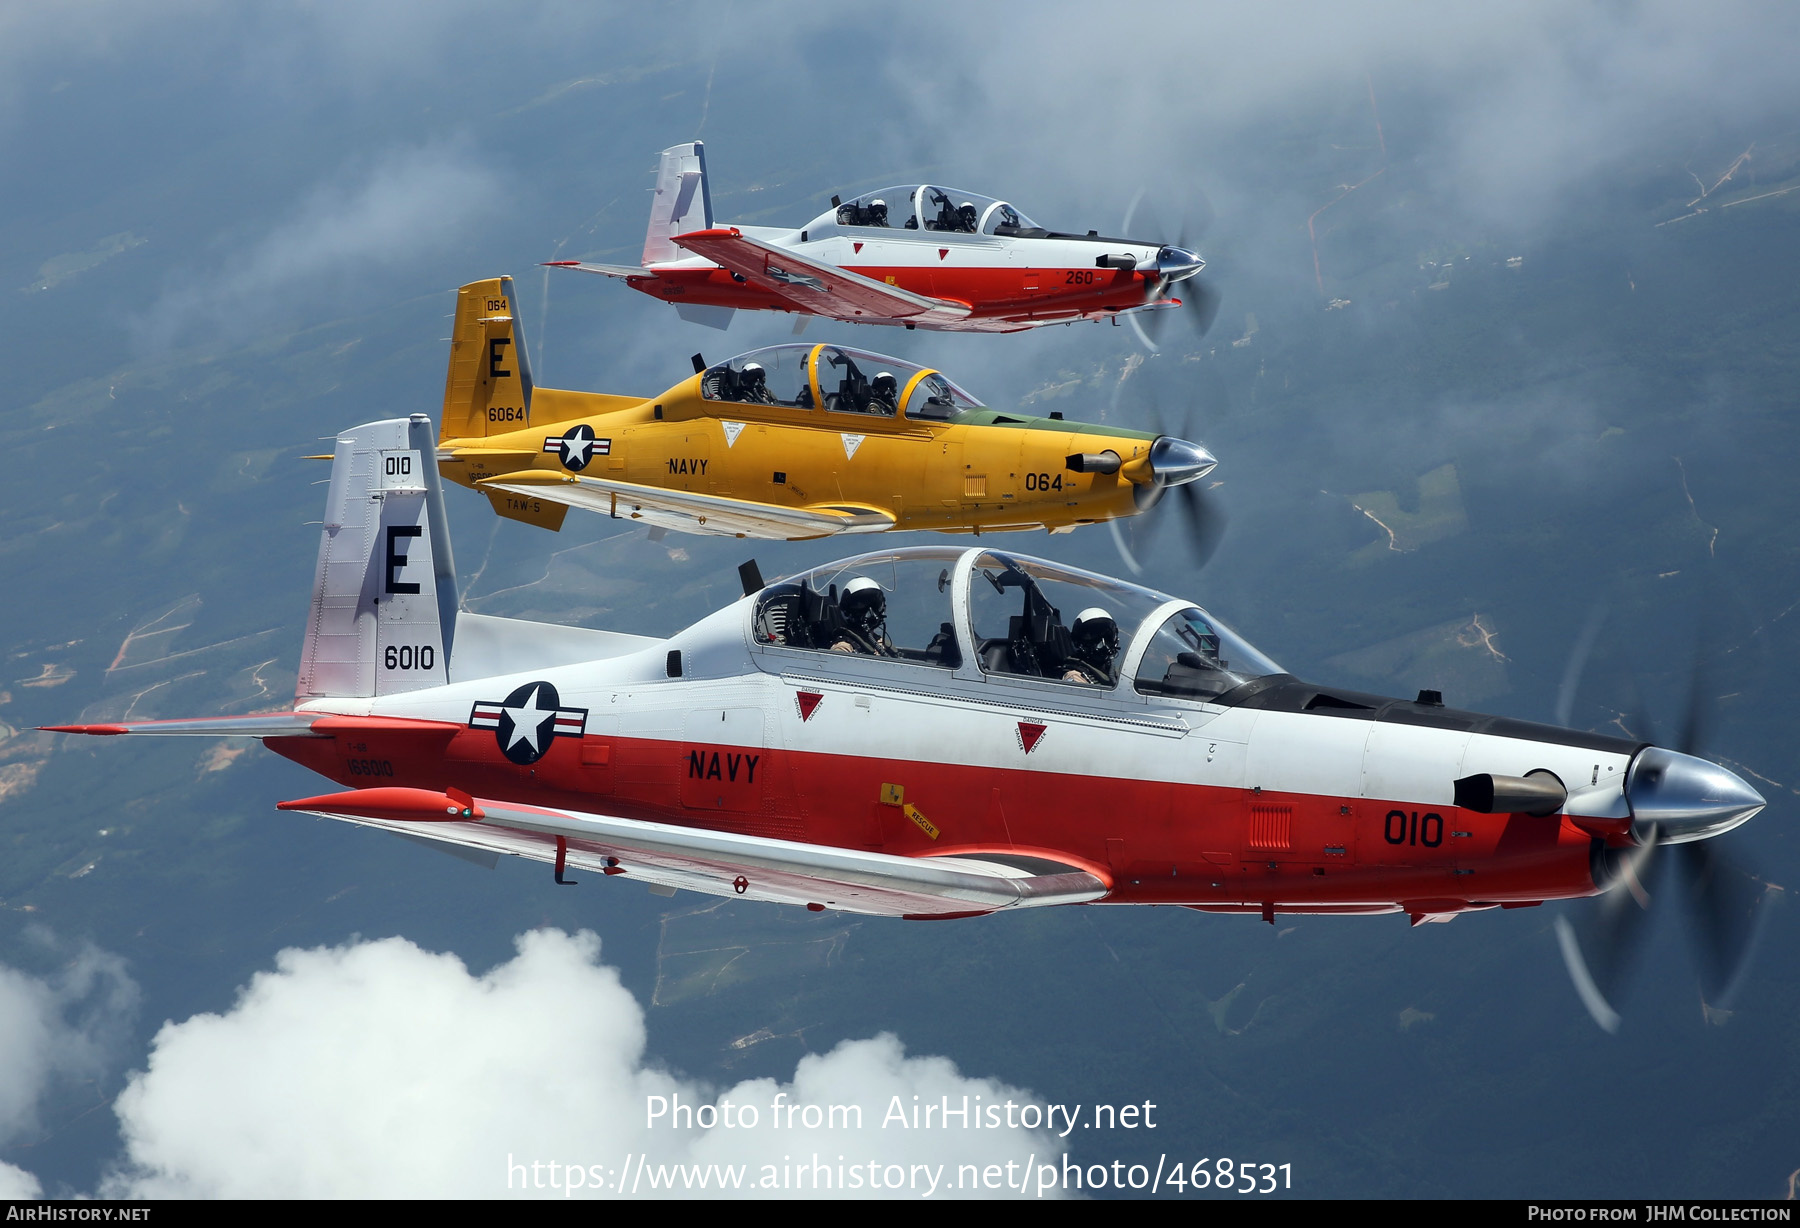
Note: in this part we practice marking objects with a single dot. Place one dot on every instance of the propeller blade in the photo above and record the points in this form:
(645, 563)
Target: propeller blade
(1202, 301)
(1725, 908)
(1143, 335)
(1601, 948)
(1693, 720)
(1206, 523)
(1637, 719)
(1578, 658)
(1121, 535)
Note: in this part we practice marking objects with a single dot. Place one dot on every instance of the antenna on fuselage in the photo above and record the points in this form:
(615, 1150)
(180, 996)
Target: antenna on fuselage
(750, 575)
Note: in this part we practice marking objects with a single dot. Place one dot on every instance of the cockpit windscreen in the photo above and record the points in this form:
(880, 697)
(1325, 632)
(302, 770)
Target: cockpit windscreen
(1195, 656)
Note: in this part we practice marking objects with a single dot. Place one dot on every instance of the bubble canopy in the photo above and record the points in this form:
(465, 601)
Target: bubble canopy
(924, 206)
(836, 379)
(1009, 617)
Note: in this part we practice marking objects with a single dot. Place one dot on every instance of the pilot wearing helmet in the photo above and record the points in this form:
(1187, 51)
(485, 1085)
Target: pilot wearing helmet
(968, 215)
(1096, 638)
(875, 213)
(884, 393)
(753, 385)
(864, 610)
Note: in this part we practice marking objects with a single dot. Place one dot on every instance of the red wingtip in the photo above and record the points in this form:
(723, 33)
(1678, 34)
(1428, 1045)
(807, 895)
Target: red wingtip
(560, 264)
(104, 731)
(395, 804)
(717, 232)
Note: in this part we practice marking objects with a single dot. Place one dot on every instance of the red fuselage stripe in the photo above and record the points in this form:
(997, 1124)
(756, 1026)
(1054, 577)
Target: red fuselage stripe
(1158, 842)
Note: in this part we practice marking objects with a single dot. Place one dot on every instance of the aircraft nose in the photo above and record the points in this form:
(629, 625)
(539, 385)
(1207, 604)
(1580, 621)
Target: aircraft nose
(1175, 263)
(1175, 461)
(1684, 797)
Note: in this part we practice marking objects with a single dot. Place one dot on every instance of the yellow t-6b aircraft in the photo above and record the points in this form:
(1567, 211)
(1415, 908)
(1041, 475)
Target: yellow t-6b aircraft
(793, 441)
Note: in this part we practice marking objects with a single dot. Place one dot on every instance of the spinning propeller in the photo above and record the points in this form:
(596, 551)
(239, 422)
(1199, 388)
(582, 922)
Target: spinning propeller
(1177, 264)
(1177, 467)
(1679, 803)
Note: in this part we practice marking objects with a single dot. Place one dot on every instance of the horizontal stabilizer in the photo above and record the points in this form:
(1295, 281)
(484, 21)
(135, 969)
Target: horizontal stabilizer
(270, 725)
(605, 270)
(716, 862)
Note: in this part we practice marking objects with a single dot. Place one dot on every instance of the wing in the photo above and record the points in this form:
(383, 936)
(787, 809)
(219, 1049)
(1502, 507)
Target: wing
(715, 862)
(605, 270)
(815, 285)
(688, 512)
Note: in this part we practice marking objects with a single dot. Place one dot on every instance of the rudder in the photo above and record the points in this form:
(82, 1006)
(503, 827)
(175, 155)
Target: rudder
(384, 593)
(682, 202)
(487, 389)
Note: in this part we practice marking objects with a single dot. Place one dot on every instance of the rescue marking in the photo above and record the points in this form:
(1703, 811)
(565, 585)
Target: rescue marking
(1030, 734)
(851, 444)
(924, 824)
(732, 431)
(808, 700)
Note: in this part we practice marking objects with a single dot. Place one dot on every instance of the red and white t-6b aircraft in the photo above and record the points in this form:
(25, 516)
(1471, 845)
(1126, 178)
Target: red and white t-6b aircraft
(919, 255)
(928, 732)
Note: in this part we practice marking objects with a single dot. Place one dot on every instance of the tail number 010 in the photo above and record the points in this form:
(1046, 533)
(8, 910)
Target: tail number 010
(1427, 830)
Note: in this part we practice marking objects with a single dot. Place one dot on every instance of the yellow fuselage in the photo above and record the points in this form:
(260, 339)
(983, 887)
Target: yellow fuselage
(998, 472)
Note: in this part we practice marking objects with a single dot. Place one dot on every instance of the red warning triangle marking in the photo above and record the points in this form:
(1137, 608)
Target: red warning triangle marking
(808, 701)
(942, 252)
(1030, 734)
(856, 248)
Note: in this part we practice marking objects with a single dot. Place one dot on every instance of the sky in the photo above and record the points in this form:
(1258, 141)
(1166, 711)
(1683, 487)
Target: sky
(240, 174)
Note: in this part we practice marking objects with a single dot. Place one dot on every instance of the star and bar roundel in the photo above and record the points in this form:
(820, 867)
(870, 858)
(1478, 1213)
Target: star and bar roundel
(577, 446)
(527, 721)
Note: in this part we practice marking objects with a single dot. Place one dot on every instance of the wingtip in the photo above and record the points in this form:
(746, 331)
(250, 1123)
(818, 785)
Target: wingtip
(104, 731)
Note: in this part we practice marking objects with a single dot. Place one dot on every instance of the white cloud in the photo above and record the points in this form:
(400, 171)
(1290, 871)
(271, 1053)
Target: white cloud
(15, 1182)
(64, 1026)
(380, 1069)
(1506, 109)
(411, 203)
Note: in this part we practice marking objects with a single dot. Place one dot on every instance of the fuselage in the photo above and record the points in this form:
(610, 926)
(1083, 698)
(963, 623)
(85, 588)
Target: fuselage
(1271, 795)
(1009, 282)
(974, 470)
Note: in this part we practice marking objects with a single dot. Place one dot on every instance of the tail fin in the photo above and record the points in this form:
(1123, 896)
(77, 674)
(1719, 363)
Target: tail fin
(384, 595)
(488, 387)
(680, 185)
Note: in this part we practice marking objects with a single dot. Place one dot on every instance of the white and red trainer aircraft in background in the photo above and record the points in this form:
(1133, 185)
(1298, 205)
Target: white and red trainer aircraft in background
(919, 255)
(931, 732)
